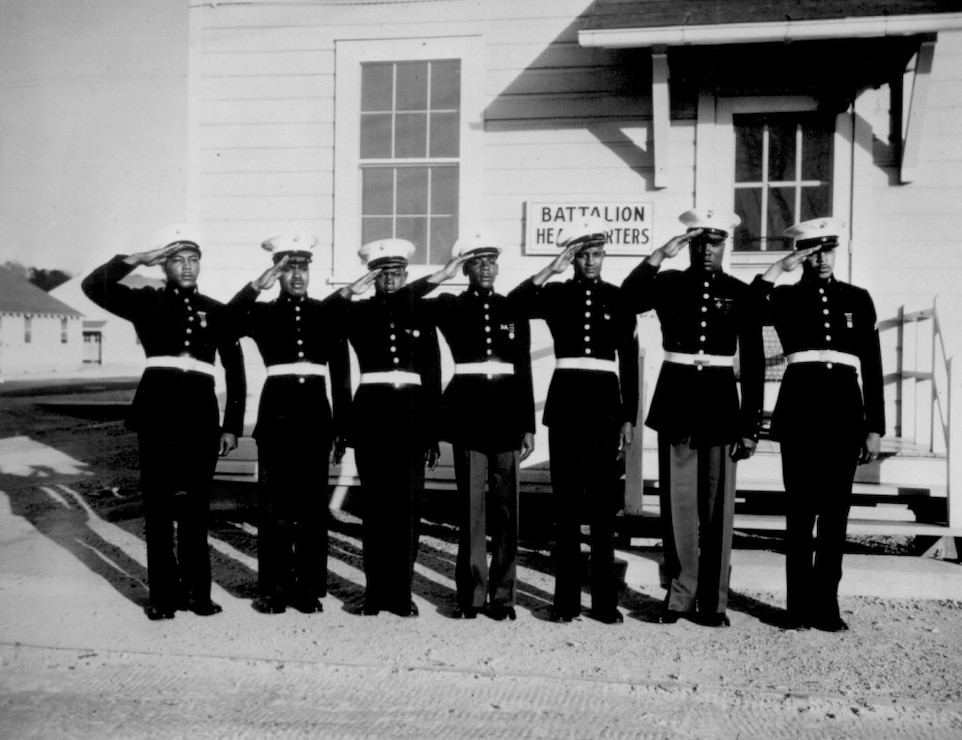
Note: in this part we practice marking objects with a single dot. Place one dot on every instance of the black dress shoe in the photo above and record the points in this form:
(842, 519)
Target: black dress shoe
(155, 613)
(561, 617)
(499, 613)
(608, 616)
(268, 605)
(411, 611)
(832, 624)
(204, 608)
(670, 616)
(792, 622)
(714, 620)
(369, 610)
(306, 604)
(465, 612)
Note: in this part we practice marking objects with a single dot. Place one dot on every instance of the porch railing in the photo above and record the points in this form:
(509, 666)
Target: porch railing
(919, 392)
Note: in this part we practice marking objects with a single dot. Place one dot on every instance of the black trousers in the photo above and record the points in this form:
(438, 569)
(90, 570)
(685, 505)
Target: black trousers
(819, 490)
(697, 512)
(176, 469)
(392, 483)
(584, 478)
(292, 503)
(497, 472)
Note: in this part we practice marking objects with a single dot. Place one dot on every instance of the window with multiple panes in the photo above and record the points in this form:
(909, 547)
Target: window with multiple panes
(63, 331)
(27, 329)
(783, 175)
(409, 154)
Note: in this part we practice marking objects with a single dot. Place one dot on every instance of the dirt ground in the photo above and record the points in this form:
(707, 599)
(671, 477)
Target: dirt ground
(80, 660)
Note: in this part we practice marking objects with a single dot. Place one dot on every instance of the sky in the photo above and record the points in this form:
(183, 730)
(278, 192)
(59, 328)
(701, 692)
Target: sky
(93, 127)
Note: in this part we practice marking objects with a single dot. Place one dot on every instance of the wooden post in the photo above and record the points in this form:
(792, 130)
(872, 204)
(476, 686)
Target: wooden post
(953, 452)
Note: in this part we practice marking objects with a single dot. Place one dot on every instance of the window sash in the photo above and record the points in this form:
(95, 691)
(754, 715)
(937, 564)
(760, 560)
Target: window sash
(779, 185)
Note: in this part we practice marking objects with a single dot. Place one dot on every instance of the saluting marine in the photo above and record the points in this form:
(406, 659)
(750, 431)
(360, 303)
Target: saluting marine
(589, 413)
(488, 417)
(825, 423)
(175, 411)
(302, 348)
(705, 315)
(394, 419)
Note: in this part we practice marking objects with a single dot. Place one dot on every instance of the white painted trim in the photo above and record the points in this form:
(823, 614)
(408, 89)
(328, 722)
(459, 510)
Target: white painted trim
(912, 141)
(195, 84)
(349, 55)
(660, 114)
(862, 209)
(781, 31)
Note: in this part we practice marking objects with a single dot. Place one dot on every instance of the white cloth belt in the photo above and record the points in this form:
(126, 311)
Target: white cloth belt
(181, 363)
(297, 368)
(490, 367)
(586, 363)
(391, 377)
(683, 358)
(823, 355)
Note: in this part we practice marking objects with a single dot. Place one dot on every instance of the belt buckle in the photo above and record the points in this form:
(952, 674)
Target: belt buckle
(701, 361)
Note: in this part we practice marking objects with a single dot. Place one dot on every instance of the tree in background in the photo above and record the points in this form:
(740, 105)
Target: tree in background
(46, 280)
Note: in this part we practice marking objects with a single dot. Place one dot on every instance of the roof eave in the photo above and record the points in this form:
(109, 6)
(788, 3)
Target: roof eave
(782, 31)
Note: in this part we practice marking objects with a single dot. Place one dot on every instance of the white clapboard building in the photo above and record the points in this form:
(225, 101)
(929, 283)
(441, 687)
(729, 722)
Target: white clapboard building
(428, 118)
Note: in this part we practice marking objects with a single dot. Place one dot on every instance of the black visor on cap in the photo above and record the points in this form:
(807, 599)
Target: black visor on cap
(294, 258)
(714, 236)
(824, 243)
(482, 252)
(184, 247)
(384, 262)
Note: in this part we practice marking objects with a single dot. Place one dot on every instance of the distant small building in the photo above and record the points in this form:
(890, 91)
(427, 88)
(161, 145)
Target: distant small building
(107, 339)
(38, 333)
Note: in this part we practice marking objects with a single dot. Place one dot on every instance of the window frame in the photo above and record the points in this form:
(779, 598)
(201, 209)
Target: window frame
(715, 165)
(349, 56)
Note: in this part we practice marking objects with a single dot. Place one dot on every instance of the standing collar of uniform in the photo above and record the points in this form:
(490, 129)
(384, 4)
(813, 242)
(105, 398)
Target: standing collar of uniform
(480, 293)
(815, 282)
(287, 298)
(704, 274)
(586, 282)
(172, 289)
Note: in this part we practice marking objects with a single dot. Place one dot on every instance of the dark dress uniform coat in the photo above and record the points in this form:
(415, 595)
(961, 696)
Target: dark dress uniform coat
(485, 418)
(294, 432)
(391, 428)
(698, 415)
(584, 413)
(176, 416)
(821, 419)
(711, 313)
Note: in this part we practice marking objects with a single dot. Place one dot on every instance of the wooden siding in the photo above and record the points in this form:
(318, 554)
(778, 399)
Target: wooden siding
(560, 121)
(915, 247)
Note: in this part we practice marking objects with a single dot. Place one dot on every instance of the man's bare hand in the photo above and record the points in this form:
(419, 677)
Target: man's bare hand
(361, 285)
(228, 443)
(154, 256)
(527, 445)
(269, 277)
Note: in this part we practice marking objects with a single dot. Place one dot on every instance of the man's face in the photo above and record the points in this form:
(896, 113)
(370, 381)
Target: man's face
(182, 268)
(482, 271)
(390, 280)
(588, 261)
(820, 265)
(294, 278)
(706, 253)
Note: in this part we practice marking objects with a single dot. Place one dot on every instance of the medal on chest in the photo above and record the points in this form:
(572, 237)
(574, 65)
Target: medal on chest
(202, 316)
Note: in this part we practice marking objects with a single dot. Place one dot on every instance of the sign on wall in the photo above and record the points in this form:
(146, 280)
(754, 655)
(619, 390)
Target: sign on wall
(629, 233)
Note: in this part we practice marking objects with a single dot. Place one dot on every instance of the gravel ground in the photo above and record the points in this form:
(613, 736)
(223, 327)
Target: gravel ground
(80, 660)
